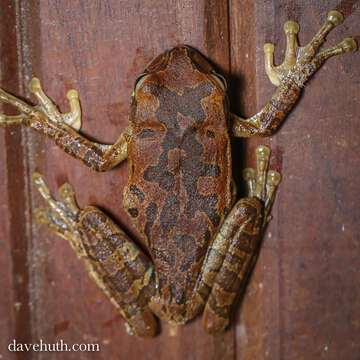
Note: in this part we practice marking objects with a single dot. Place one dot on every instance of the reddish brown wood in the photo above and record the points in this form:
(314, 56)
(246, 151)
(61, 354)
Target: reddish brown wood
(99, 48)
(14, 302)
(304, 293)
(243, 102)
(303, 299)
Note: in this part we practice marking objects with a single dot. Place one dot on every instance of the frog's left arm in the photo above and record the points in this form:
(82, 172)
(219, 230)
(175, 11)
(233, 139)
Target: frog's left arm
(299, 65)
(63, 128)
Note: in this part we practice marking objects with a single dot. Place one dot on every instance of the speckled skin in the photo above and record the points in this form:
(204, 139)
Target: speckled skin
(203, 243)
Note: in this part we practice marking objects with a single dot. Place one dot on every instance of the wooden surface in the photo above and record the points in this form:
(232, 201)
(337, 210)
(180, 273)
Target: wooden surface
(303, 300)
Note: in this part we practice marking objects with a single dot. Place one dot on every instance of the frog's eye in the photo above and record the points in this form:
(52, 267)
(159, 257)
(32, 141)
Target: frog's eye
(140, 80)
(220, 80)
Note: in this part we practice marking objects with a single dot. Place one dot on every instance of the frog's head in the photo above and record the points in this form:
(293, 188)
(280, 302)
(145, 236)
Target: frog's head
(179, 53)
(185, 64)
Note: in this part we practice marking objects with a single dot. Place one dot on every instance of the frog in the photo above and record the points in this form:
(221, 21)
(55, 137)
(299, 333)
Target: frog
(202, 241)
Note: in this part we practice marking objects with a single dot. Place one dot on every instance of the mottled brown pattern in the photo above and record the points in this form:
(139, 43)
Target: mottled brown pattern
(172, 159)
(179, 192)
(236, 264)
(118, 267)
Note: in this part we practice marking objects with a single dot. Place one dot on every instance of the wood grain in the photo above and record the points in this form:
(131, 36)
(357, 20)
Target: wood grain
(298, 305)
(15, 299)
(303, 298)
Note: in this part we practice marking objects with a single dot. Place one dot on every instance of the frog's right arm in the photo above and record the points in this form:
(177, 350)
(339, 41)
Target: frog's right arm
(290, 77)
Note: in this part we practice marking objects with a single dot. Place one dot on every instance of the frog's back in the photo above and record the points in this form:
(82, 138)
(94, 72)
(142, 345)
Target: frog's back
(178, 190)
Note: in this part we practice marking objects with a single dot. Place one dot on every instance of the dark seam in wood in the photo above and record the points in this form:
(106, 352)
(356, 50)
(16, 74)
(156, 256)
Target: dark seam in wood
(17, 201)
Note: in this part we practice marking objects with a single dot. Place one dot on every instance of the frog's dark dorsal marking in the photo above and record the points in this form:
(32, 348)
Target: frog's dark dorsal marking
(184, 117)
(191, 168)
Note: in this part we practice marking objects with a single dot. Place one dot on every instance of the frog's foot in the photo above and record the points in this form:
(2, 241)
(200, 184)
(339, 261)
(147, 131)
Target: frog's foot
(111, 259)
(49, 109)
(301, 62)
(264, 184)
(61, 217)
(45, 107)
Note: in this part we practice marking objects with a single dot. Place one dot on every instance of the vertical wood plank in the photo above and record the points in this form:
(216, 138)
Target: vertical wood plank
(15, 302)
(99, 48)
(243, 99)
(298, 297)
(7, 323)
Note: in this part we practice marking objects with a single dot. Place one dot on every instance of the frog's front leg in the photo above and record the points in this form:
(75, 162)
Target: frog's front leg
(112, 260)
(63, 128)
(233, 254)
(290, 77)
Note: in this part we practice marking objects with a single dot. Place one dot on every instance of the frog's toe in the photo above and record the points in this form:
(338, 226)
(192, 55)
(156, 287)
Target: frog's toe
(40, 185)
(262, 184)
(249, 177)
(275, 73)
(41, 216)
(272, 181)
(47, 218)
(346, 46)
(270, 68)
(49, 109)
(8, 120)
(58, 216)
(257, 183)
(67, 193)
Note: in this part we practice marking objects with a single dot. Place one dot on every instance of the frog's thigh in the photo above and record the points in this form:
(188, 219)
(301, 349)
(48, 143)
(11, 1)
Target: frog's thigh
(110, 257)
(231, 260)
(120, 269)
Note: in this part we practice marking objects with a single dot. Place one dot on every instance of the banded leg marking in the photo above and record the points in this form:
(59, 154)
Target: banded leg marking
(110, 257)
(299, 65)
(63, 128)
(236, 248)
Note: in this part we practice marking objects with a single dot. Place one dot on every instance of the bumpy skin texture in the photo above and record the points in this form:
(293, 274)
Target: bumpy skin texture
(119, 268)
(178, 192)
(203, 244)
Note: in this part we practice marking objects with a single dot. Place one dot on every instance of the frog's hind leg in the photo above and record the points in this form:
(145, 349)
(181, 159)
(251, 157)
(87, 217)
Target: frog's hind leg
(233, 255)
(110, 257)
